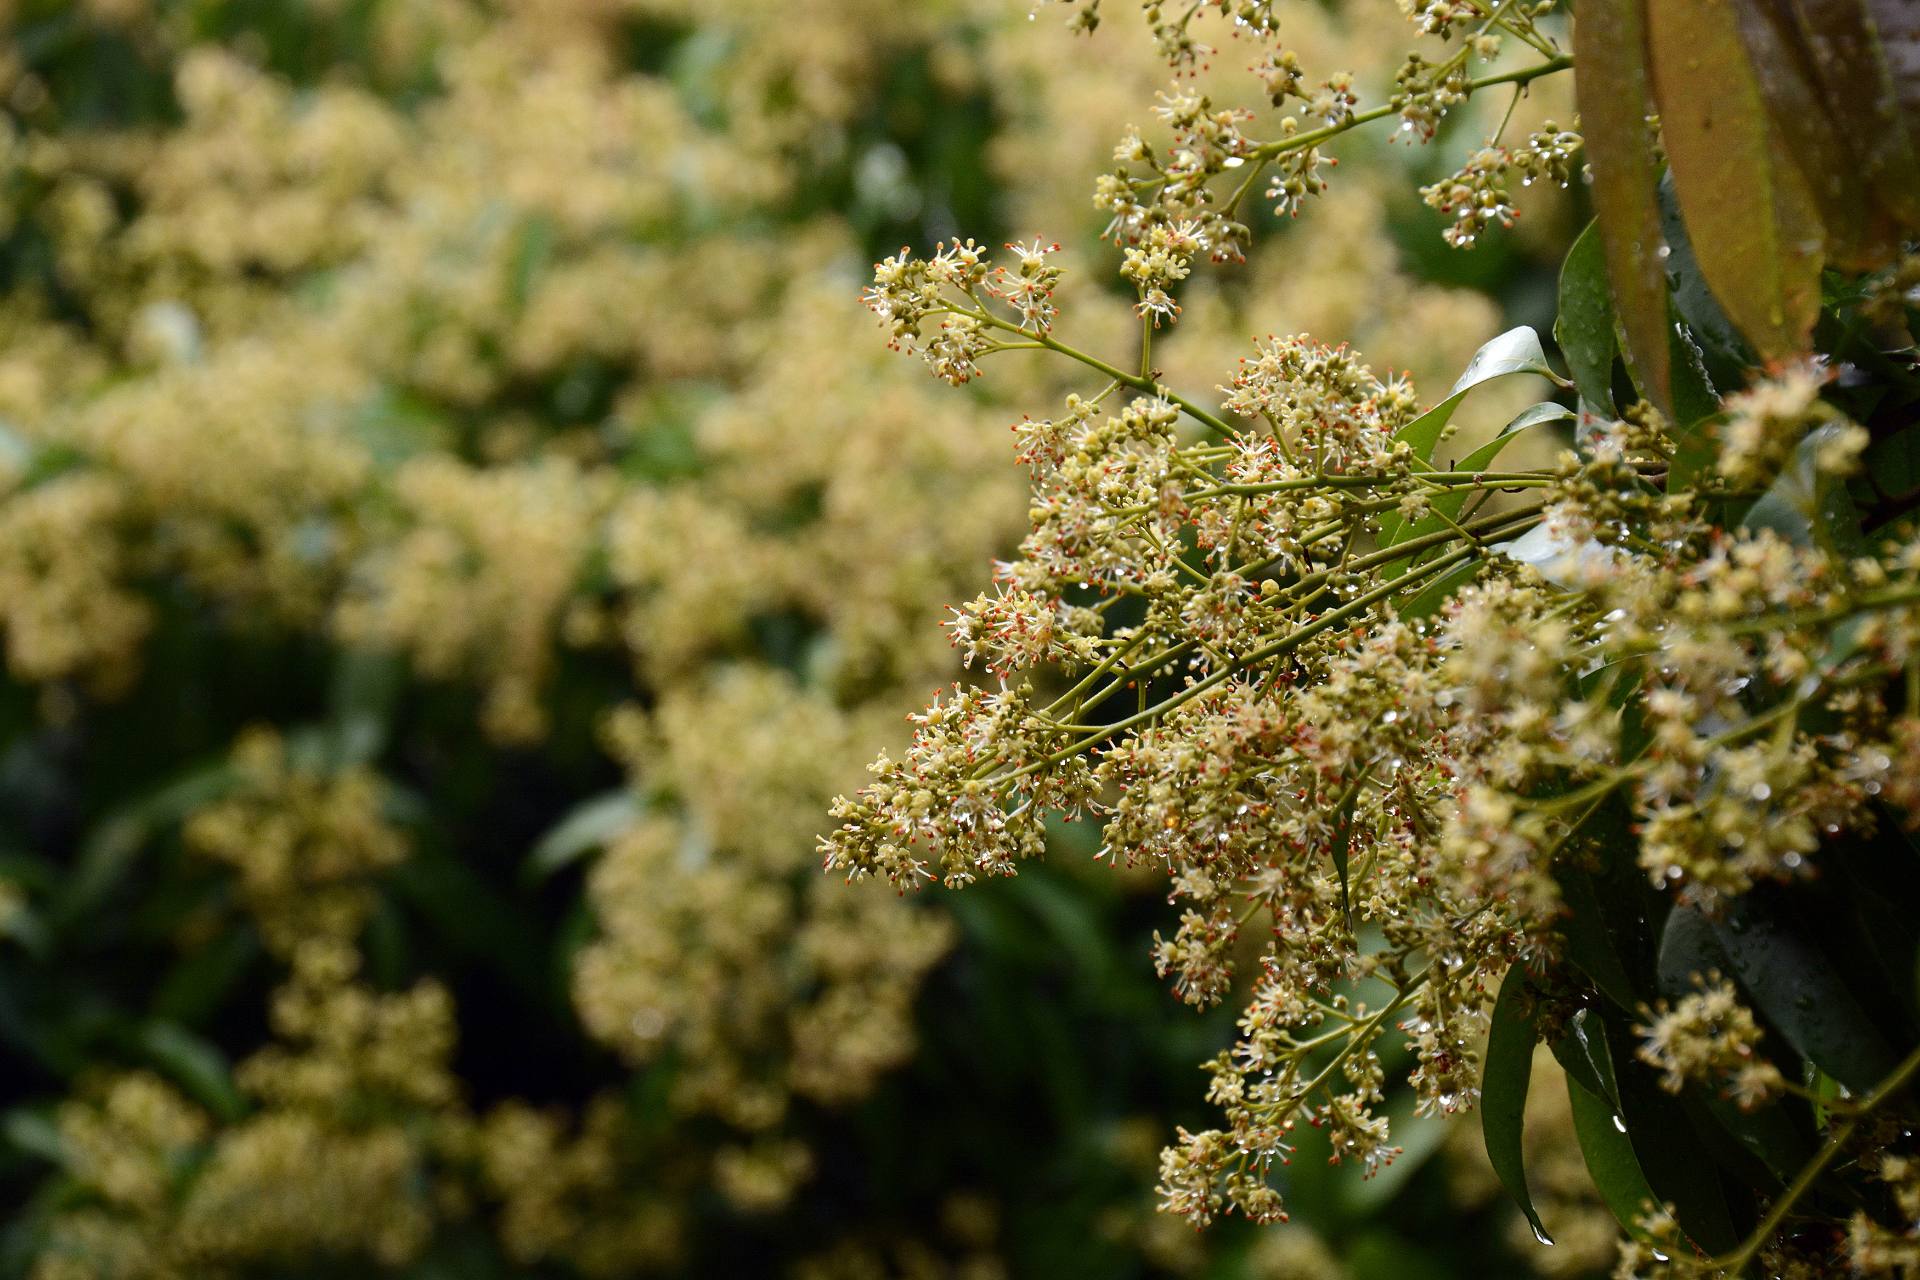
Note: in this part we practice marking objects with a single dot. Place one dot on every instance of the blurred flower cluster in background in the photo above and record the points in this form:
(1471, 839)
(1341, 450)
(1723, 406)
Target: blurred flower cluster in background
(458, 530)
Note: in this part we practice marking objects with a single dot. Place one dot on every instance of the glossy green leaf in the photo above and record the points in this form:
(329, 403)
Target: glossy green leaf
(1394, 527)
(1609, 1157)
(1515, 351)
(1427, 601)
(1808, 507)
(1689, 948)
(1705, 337)
(1696, 434)
(1612, 915)
(1584, 325)
(1615, 94)
(1670, 1149)
(1754, 225)
(1505, 1076)
(1538, 415)
(1582, 1051)
(1445, 508)
(1794, 984)
(1572, 1057)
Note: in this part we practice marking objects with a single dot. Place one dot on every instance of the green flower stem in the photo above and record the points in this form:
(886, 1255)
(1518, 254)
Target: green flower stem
(1443, 479)
(1285, 644)
(1477, 532)
(1138, 381)
(1523, 75)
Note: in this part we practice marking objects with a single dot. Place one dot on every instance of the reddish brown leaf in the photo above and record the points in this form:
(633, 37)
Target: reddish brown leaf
(1615, 97)
(1755, 230)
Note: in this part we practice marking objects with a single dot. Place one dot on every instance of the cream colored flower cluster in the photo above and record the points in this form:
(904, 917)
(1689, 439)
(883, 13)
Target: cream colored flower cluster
(1365, 693)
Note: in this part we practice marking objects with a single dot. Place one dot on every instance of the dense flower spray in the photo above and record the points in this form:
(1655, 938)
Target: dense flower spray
(1379, 708)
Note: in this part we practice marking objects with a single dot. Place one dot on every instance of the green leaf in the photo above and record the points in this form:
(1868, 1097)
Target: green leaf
(1592, 947)
(1689, 947)
(1571, 1054)
(194, 988)
(1708, 339)
(1584, 325)
(1615, 95)
(1808, 507)
(1696, 438)
(586, 827)
(1638, 1143)
(1611, 1164)
(1754, 226)
(1795, 985)
(35, 1131)
(1670, 1151)
(195, 1065)
(1515, 351)
(1503, 1093)
(115, 842)
(1445, 508)
(365, 687)
(1427, 601)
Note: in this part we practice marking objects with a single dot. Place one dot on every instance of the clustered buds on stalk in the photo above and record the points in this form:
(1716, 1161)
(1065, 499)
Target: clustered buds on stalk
(1361, 707)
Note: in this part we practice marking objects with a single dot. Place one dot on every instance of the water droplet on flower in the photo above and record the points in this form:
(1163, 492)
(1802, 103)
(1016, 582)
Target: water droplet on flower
(1620, 1124)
